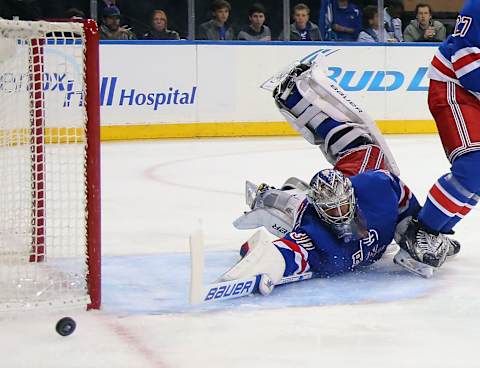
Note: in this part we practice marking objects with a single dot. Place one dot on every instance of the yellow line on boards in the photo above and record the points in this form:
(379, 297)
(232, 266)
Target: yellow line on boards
(407, 126)
(203, 130)
(24, 136)
(198, 130)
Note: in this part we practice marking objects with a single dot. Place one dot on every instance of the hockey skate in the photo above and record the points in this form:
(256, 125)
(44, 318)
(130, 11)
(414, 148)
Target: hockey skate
(422, 252)
(453, 247)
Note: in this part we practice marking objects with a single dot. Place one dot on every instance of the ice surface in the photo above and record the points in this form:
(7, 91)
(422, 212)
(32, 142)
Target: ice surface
(155, 193)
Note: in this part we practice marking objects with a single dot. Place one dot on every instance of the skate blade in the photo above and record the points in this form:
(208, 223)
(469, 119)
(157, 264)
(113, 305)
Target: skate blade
(403, 259)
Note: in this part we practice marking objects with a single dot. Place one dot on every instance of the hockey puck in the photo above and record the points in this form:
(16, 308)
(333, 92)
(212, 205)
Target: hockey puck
(65, 326)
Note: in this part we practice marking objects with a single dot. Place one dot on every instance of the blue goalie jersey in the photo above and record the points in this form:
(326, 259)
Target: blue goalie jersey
(382, 200)
(458, 58)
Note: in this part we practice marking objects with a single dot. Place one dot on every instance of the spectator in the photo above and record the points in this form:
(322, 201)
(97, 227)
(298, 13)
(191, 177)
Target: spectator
(74, 13)
(424, 28)
(217, 28)
(159, 30)
(102, 4)
(371, 26)
(340, 20)
(393, 23)
(302, 29)
(107, 3)
(257, 30)
(110, 28)
(24, 9)
(57, 9)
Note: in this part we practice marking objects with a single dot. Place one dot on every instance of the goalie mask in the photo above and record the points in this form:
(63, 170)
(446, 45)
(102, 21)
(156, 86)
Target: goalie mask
(332, 196)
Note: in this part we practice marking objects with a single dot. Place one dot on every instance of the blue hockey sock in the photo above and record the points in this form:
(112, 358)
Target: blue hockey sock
(447, 228)
(453, 195)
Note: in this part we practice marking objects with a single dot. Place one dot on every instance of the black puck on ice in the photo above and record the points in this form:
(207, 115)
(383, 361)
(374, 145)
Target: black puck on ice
(65, 326)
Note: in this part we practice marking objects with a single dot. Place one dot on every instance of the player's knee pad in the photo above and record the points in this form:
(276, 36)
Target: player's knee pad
(263, 258)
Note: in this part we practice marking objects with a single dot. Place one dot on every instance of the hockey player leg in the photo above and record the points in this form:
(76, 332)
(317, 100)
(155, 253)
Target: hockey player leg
(259, 270)
(325, 115)
(453, 195)
(361, 159)
(449, 200)
(320, 124)
(263, 258)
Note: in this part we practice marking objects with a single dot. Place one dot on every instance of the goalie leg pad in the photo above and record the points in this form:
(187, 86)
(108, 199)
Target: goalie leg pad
(309, 99)
(319, 90)
(306, 123)
(263, 258)
(323, 126)
(332, 136)
(342, 138)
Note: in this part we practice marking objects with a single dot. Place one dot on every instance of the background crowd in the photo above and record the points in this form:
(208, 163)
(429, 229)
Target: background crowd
(314, 20)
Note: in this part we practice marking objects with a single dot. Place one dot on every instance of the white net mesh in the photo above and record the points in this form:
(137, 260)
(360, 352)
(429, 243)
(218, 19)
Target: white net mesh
(43, 237)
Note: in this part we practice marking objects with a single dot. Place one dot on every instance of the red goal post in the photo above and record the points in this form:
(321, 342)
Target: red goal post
(49, 164)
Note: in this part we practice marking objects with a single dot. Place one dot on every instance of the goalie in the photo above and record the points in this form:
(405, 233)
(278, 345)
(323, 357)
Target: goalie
(346, 216)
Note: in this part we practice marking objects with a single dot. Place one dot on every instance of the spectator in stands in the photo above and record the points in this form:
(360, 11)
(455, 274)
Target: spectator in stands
(424, 28)
(393, 23)
(159, 30)
(74, 13)
(217, 28)
(256, 30)
(102, 4)
(302, 29)
(23, 9)
(107, 3)
(110, 28)
(340, 20)
(56, 9)
(371, 25)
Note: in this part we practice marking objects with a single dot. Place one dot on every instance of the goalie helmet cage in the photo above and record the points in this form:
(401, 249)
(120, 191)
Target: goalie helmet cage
(49, 165)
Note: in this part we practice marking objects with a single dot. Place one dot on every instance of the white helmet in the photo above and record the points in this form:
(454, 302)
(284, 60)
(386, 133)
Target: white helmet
(332, 196)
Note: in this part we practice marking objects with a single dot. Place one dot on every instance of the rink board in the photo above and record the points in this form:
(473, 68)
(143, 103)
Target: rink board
(249, 129)
(161, 89)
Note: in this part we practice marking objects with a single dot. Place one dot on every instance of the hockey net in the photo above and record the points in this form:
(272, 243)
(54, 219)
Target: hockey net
(49, 165)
